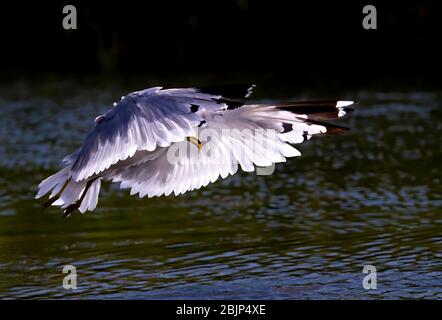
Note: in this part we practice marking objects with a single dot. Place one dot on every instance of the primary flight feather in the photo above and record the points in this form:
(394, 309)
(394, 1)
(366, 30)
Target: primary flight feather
(162, 141)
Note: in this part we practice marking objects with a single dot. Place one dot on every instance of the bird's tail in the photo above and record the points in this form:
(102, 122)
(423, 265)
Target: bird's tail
(70, 194)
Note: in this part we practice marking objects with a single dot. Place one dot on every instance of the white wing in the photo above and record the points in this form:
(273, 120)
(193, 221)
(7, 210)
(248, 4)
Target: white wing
(137, 141)
(248, 136)
(142, 120)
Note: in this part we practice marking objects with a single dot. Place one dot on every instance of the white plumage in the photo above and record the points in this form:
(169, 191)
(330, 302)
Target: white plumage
(158, 142)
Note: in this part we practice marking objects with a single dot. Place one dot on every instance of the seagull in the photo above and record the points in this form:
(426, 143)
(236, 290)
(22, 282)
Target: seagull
(162, 141)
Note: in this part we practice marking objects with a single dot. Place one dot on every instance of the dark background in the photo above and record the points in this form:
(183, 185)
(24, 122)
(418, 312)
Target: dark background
(372, 196)
(294, 41)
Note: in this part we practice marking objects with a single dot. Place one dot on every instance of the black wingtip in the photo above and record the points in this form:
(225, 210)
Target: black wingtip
(348, 110)
(332, 129)
(317, 110)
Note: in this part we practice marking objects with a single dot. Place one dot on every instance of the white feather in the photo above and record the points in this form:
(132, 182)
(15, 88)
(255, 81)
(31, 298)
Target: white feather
(134, 143)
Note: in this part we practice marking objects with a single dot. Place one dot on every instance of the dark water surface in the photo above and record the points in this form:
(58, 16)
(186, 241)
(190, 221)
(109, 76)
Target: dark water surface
(373, 197)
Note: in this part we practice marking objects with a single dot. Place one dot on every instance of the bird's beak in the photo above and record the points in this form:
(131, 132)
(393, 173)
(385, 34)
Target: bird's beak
(195, 141)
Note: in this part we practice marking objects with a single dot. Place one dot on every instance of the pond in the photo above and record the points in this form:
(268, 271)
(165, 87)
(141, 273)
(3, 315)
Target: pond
(370, 197)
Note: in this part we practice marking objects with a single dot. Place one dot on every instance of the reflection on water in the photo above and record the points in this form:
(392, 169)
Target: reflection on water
(370, 197)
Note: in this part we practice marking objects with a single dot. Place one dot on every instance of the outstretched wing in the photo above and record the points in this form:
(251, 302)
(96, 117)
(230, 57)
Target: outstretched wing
(142, 120)
(253, 135)
(145, 133)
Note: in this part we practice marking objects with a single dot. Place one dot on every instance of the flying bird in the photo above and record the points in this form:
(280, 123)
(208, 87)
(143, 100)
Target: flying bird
(162, 141)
